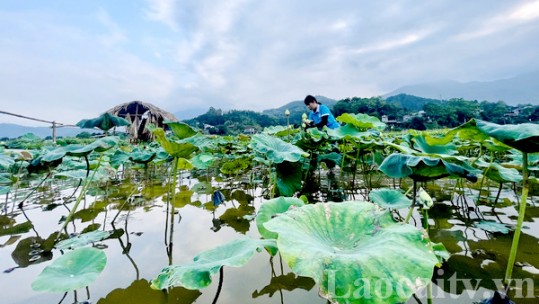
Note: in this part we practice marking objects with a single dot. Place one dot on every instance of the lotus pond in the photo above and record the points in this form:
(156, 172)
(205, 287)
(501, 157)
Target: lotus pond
(352, 215)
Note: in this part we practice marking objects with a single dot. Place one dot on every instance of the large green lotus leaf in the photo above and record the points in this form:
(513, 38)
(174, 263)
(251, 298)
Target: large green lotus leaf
(176, 149)
(362, 121)
(423, 168)
(83, 239)
(180, 129)
(59, 153)
(501, 174)
(118, 158)
(5, 161)
(142, 157)
(197, 275)
(289, 178)
(203, 160)
(5, 190)
(523, 137)
(421, 144)
(271, 208)
(276, 149)
(331, 160)
(389, 198)
(104, 122)
(100, 174)
(73, 270)
(354, 246)
(352, 132)
(205, 142)
(100, 145)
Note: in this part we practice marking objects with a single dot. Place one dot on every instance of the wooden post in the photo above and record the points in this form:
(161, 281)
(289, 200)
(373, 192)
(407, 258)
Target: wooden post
(54, 131)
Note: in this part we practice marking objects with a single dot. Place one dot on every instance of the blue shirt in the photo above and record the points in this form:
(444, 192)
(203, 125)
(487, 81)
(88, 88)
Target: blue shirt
(323, 110)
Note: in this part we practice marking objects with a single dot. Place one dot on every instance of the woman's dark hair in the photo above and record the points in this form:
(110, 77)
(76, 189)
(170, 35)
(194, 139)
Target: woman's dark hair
(310, 99)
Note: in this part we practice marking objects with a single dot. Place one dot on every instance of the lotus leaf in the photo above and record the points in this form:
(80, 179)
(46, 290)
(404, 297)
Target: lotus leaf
(73, 270)
(202, 160)
(271, 208)
(422, 168)
(289, 177)
(142, 157)
(362, 121)
(350, 248)
(500, 174)
(118, 158)
(184, 164)
(83, 240)
(105, 122)
(203, 142)
(422, 145)
(197, 275)
(389, 198)
(180, 129)
(5, 161)
(524, 137)
(276, 149)
(176, 149)
(350, 131)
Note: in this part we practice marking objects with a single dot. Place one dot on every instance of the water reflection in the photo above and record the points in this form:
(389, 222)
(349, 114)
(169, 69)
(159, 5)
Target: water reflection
(139, 292)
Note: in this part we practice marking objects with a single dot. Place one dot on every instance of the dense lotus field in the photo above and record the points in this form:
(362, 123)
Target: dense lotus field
(349, 215)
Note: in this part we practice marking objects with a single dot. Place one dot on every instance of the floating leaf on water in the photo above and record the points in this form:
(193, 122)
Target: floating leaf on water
(389, 198)
(73, 270)
(337, 243)
(197, 275)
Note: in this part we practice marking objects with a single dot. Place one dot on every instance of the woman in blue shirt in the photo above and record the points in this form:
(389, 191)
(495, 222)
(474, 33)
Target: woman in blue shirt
(320, 114)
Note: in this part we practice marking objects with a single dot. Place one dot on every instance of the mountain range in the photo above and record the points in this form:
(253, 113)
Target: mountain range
(521, 89)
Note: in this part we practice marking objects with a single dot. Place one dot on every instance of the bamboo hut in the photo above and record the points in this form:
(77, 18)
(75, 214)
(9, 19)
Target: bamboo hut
(140, 114)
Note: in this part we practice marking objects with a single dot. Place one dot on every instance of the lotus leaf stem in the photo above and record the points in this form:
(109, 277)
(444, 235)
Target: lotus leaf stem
(520, 221)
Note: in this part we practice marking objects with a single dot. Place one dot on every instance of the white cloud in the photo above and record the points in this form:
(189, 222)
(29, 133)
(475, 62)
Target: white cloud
(162, 11)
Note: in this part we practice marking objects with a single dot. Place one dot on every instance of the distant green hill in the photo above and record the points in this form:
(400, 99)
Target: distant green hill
(411, 102)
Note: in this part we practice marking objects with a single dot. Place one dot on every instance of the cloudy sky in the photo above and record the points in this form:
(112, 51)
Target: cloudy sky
(68, 60)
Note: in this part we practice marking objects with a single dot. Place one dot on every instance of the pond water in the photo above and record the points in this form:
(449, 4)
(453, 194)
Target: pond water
(137, 251)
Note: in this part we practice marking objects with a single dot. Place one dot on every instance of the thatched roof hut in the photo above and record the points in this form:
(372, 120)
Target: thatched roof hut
(139, 114)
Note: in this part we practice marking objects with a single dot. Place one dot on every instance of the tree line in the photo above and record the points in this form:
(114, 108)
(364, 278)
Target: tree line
(422, 114)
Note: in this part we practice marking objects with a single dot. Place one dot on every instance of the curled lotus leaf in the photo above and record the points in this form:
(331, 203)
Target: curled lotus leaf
(523, 137)
(73, 270)
(270, 209)
(423, 168)
(422, 145)
(197, 275)
(175, 149)
(203, 160)
(389, 198)
(501, 174)
(105, 121)
(351, 132)
(362, 121)
(350, 248)
(180, 129)
(276, 149)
